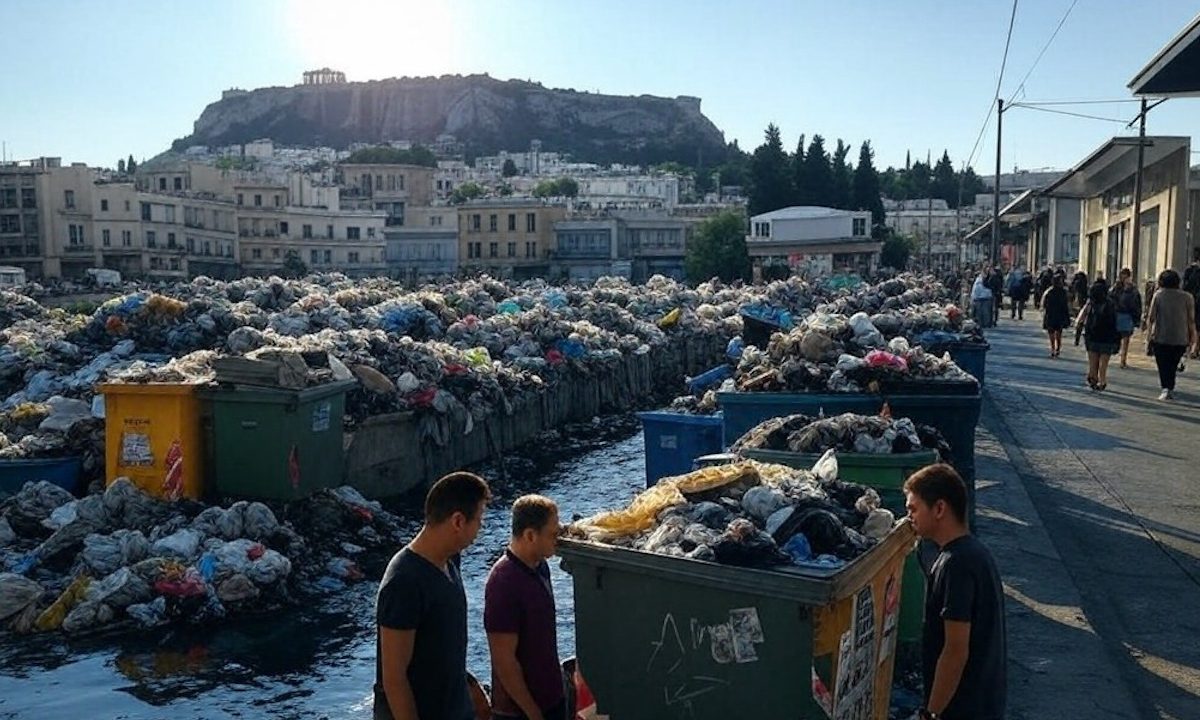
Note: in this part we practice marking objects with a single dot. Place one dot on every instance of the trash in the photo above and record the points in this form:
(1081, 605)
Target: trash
(16, 594)
(104, 554)
(33, 504)
(151, 614)
(373, 380)
(7, 534)
(183, 545)
(847, 432)
(344, 569)
(119, 589)
(237, 588)
(53, 616)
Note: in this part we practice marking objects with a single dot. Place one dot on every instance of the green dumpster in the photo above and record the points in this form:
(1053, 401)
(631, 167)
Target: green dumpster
(886, 474)
(276, 444)
(665, 637)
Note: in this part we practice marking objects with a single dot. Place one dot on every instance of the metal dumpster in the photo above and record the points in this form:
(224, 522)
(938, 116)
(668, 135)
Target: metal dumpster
(152, 436)
(663, 637)
(674, 440)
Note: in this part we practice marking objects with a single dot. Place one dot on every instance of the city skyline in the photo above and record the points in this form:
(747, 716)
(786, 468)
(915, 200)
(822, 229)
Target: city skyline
(799, 65)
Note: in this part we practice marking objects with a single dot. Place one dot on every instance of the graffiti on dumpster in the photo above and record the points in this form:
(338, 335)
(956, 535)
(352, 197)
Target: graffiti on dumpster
(732, 641)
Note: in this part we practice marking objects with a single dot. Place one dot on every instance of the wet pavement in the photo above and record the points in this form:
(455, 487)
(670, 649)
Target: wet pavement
(316, 661)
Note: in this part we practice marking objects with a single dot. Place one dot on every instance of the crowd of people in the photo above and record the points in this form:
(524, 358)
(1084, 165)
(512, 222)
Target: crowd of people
(1105, 316)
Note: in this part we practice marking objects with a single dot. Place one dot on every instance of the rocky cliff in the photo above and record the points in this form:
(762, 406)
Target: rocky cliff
(484, 114)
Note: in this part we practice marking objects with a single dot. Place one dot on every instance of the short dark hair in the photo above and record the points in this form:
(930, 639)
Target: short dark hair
(1125, 272)
(1168, 279)
(1098, 292)
(531, 512)
(939, 482)
(457, 492)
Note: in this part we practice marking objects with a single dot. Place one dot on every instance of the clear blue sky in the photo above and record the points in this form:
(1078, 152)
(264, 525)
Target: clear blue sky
(93, 81)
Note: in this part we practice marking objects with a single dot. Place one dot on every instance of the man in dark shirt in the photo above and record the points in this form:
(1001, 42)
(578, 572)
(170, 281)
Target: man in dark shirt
(421, 610)
(963, 645)
(519, 617)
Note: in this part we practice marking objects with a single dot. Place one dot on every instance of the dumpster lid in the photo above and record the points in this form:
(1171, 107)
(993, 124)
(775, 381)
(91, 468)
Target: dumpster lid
(681, 418)
(151, 388)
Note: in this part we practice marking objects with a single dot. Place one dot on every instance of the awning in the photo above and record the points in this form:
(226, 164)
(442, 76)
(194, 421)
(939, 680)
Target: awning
(1113, 162)
(1017, 211)
(1175, 70)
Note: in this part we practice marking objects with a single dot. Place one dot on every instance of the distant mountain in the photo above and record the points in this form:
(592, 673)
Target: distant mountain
(483, 114)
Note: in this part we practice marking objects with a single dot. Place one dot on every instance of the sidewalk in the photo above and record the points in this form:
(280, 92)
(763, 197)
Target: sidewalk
(1089, 503)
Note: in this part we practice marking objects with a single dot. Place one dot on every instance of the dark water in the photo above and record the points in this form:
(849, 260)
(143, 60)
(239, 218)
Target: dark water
(317, 661)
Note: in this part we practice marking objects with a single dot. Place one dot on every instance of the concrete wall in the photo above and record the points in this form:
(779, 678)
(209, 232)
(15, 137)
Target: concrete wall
(388, 455)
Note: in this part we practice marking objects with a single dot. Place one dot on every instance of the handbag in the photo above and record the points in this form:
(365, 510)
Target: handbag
(1124, 323)
(1150, 347)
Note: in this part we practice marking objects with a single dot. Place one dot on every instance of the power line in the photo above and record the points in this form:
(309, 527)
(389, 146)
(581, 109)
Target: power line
(1067, 112)
(1045, 47)
(999, 81)
(1076, 102)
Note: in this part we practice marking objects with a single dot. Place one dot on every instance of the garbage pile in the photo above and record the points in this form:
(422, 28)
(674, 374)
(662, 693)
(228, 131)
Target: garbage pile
(848, 432)
(749, 514)
(122, 558)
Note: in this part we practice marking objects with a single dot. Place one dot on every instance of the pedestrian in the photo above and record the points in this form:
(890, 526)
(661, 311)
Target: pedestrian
(963, 642)
(1056, 313)
(996, 285)
(1044, 281)
(1172, 329)
(1191, 285)
(520, 619)
(1129, 310)
(1079, 290)
(1020, 285)
(421, 610)
(1098, 320)
(981, 300)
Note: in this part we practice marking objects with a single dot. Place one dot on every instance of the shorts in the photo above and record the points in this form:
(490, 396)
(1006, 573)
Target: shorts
(1125, 324)
(1102, 347)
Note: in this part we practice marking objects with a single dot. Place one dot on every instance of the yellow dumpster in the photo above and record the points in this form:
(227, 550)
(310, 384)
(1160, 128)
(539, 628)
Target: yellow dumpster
(153, 437)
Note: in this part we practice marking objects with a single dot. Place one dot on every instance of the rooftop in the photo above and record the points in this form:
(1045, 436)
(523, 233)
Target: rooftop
(805, 212)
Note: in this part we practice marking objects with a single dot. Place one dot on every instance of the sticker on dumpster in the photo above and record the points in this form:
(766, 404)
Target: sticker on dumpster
(668, 442)
(857, 662)
(172, 485)
(320, 417)
(891, 616)
(680, 665)
(135, 450)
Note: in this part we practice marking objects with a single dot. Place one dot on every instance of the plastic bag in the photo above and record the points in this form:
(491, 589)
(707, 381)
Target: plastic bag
(16, 594)
(826, 468)
(183, 544)
(105, 554)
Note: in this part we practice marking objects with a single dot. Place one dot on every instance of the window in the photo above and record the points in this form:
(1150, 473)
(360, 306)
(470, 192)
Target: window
(379, 182)
(169, 213)
(241, 199)
(8, 198)
(512, 249)
(208, 247)
(69, 198)
(860, 227)
(257, 200)
(328, 256)
(10, 223)
(256, 253)
(493, 249)
(492, 226)
(314, 256)
(151, 239)
(191, 244)
(306, 231)
(174, 263)
(353, 256)
(352, 233)
(435, 220)
(512, 222)
(162, 184)
(126, 238)
(275, 253)
(370, 232)
(29, 199)
(283, 228)
(329, 231)
(530, 222)
(103, 206)
(400, 182)
(478, 249)
(106, 237)
(278, 201)
(155, 262)
(145, 212)
(475, 222)
(171, 240)
(178, 184)
(126, 206)
(530, 249)
(76, 233)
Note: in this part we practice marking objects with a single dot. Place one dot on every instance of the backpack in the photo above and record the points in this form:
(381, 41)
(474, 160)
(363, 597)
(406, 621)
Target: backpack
(1102, 318)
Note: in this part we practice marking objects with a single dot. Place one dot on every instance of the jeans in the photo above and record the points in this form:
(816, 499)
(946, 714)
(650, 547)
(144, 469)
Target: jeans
(1018, 309)
(997, 304)
(1167, 358)
(982, 311)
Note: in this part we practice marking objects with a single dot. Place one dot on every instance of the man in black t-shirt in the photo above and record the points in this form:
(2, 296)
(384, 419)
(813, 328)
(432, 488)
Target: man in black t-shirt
(421, 610)
(964, 656)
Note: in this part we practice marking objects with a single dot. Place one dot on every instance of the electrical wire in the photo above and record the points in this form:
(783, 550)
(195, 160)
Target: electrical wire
(1077, 102)
(999, 81)
(1067, 112)
(1021, 85)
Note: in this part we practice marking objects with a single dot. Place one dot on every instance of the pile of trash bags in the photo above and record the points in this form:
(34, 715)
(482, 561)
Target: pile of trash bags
(848, 432)
(123, 558)
(749, 514)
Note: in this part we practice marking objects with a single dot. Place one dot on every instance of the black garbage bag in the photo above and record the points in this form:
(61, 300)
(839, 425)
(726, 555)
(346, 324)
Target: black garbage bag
(744, 545)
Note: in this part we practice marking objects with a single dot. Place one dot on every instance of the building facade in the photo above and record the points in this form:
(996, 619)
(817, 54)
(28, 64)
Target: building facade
(511, 239)
(812, 241)
(387, 188)
(426, 246)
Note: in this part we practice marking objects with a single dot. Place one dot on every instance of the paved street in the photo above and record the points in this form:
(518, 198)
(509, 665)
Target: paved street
(1091, 503)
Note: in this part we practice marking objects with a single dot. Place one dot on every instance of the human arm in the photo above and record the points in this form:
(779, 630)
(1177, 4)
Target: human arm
(1151, 317)
(1191, 322)
(395, 654)
(503, 647)
(1081, 319)
(950, 665)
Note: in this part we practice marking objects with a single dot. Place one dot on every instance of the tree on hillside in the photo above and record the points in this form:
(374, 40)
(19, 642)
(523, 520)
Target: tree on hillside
(121, 166)
(718, 249)
(842, 177)
(865, 189)
(972, 185)
(509, 169)
(466, 192)
(130, 165)
(798, 174)
(562, 187)
(818, 176)
(771, 184)
(417, 155)
(704, 181)
(945, 180)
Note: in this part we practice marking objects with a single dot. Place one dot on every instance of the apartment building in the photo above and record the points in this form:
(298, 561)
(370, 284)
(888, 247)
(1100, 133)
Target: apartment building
(348, 241)
(390, 188)
(812, 241)
(508, 238)
(426, 246)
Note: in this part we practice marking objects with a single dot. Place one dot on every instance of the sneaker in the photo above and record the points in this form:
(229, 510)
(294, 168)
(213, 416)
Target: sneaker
(1164, 395)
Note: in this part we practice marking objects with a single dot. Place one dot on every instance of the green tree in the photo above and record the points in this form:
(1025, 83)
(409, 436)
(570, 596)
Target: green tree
(466, 192)
(771, 183)
(718, 249)
(121, 166)
(818, 176)
(972, 185)
(704, 181)
(842, 177)
(416, 155)
(945, 180)
(504, 190)
(896, 251)
(293, 266)
(568, 187)
(509, 169)
(798, 175)
(865, 189)
(130, 165)
(562, 187)
(672, 167)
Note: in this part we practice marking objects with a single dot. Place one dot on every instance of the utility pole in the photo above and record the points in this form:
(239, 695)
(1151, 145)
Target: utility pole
(929, 216)
(1137, 194)
(996, 196)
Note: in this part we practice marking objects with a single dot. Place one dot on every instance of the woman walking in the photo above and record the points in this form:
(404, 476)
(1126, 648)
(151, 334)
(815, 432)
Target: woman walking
(1098, 320)
(1172, 329)
(1079, 289)
(1129, 310)
(1056, 313)
(981, 301)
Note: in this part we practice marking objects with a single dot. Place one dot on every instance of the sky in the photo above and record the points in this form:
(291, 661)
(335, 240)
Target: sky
(93, 81)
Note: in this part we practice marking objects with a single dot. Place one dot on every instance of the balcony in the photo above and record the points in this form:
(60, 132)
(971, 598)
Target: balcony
(79, 249)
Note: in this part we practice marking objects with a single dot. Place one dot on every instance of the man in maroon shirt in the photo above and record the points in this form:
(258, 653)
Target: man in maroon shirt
(519, 617)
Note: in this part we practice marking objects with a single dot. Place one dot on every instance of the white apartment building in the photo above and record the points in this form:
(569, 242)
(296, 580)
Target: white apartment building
(813, 241)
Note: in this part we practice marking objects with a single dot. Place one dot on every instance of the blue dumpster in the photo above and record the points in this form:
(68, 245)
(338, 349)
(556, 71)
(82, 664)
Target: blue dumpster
(971, 357)
(675, 440)
(63, 472)
(955, 417)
